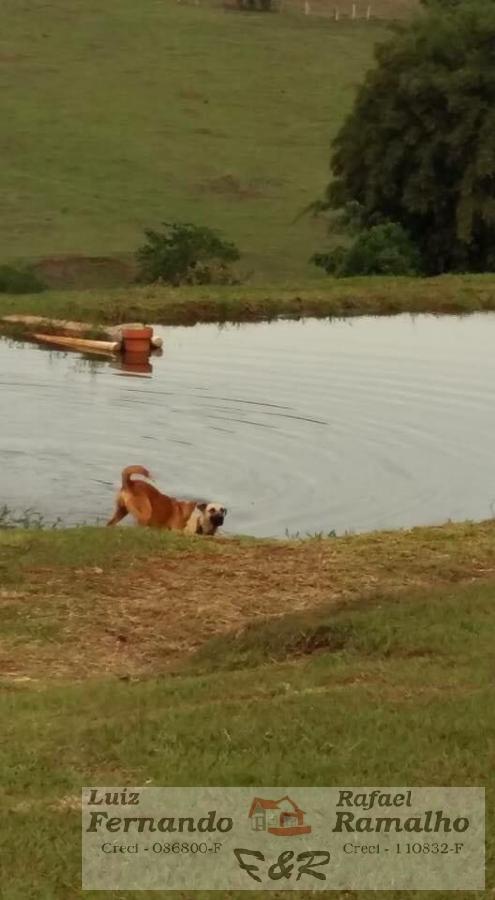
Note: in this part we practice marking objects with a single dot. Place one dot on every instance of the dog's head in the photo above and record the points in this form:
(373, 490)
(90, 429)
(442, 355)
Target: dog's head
(210, 517)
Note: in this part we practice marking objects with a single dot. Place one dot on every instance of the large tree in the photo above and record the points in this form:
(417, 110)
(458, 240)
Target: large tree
(419, 145)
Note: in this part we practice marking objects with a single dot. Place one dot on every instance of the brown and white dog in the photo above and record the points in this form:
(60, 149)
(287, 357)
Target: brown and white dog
(150, 507)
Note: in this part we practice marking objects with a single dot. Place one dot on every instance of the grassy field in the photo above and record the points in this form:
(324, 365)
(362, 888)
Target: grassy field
(116, 116)
(369, 656)
(186, 306)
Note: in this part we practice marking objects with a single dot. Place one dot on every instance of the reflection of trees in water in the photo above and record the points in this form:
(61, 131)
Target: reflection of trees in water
(80, 363)
(90, 364)
(14, 343)
(86, 363)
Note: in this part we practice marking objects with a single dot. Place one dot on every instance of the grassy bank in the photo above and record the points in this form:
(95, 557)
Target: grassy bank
(373, 666)
(330, 297)
(148, 619)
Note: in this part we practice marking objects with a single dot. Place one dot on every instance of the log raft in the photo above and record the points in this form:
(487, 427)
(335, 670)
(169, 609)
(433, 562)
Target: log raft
(128, 338)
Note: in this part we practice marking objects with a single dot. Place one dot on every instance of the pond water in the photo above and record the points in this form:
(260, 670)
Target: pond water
(298, 427)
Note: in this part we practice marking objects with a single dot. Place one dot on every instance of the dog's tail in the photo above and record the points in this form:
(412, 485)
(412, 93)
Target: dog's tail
(132, 470)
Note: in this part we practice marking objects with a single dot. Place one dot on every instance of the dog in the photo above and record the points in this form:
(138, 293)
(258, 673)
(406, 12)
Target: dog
(150, 507)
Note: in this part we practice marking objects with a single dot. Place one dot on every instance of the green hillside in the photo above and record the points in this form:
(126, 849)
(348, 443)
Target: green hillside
(118, 115)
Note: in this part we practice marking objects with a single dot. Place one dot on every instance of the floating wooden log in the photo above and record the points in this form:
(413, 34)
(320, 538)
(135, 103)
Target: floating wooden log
(75, 343)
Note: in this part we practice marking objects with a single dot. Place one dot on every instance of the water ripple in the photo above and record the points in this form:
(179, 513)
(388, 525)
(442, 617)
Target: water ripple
(298, 427)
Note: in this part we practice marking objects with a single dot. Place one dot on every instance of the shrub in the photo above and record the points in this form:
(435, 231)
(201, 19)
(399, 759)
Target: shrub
(19, 280)
(384, 249)
(186, 254)
(332, 261)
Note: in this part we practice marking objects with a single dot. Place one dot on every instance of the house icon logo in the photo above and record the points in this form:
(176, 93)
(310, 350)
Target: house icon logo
(282, 817)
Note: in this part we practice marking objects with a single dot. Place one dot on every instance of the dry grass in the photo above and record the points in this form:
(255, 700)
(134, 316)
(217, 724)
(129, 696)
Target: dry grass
(145, 615)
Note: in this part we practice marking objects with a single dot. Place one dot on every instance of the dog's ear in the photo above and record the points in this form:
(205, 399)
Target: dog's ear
(202, 506)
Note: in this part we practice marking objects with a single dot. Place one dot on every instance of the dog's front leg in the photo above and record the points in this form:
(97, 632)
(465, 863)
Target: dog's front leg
(119, 514)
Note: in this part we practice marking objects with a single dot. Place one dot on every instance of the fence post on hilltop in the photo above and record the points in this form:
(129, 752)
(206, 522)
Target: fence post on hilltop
(368, 12)
(336, 14)
(353, 13)
(307, 8)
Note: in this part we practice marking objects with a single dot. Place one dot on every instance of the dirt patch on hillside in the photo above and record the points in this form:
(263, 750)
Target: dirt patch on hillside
(231, 186)
(12, 57)
(85, 271)
(191, 94)
(145, 617)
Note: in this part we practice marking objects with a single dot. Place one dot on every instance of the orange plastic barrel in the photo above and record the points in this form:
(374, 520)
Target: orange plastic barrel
(137, 340)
